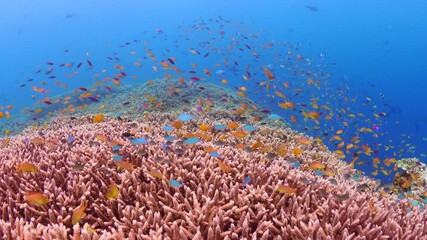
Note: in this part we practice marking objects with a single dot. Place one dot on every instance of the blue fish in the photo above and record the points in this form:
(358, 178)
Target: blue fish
(219, 127)
(246, 180)
(214, 154)
(70, 139)
(274, 117)
(176, 183)
(296, 164)
(191, 141)
(168, 128)
(249, 128)
(116, 147)
(319, 172)
(139, 141)
(170, 138)
(185, 117)
(117, 158)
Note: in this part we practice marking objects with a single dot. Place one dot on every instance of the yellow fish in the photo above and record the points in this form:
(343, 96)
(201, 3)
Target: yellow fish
(113, 191)
(286, 189)
(78, 213)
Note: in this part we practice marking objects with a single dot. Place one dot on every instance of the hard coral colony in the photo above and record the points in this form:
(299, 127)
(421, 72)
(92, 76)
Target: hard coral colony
(179, 191)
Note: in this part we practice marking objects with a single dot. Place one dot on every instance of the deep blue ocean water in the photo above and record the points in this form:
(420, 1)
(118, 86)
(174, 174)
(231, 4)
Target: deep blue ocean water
(375, 52)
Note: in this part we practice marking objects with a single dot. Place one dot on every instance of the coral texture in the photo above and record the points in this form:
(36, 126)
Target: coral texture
(75, 163)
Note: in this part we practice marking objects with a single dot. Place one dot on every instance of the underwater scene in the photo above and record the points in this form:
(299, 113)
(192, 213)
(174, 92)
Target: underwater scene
(213, 119)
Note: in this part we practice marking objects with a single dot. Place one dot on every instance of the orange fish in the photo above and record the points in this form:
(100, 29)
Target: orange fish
(256, 145)
(125, 165)
(287, 105)
(78, 213)
(209, 149)
(223, 166)
(316, 166)
(203, 127)
(240, 146)
(294, 119)
(36, 198)
(297, 151)
(329, 173)
(98, 118)
(157, 174)
(177, 124)
(26, 167)
(102, 138)
(240, 134)
(240, 111)
(233, 125)
(286, 189)
(268, 74)
(304, 140)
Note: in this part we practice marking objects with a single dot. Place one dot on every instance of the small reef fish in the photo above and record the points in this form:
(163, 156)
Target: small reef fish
(26, 167)
(125, 165)
(157, 174)
(176, 183)
(286, 189)
(36, 198)
(79, 212)
(98, 118)
(112, 191)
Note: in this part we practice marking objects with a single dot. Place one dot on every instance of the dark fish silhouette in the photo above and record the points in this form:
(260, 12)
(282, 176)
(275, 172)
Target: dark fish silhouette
(70, 15)
(312, 8)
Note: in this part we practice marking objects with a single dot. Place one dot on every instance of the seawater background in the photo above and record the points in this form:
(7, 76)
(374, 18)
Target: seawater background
(378, 47)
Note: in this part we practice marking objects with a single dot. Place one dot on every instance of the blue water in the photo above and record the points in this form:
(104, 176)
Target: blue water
(372, 50)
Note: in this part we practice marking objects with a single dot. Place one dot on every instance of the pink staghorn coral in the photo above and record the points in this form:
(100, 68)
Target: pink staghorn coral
(213, 204)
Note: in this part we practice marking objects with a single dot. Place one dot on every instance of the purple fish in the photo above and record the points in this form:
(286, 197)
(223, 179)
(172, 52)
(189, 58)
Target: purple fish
(93, 99)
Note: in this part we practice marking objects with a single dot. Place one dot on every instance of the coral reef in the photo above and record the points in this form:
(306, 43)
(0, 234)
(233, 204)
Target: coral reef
(133, 101)
(76, 164)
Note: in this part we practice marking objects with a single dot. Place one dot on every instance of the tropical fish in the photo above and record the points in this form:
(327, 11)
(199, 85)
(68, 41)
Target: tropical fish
(112, 191)
(125, 165)
(26, 167)
(191, 141)
(79, 212)
(36, 198)
(316, 166)
(157, 174)
(98, 118)
(138, 141)
(286, 189)
(246, 180)
(176, 183)
(223, 166)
